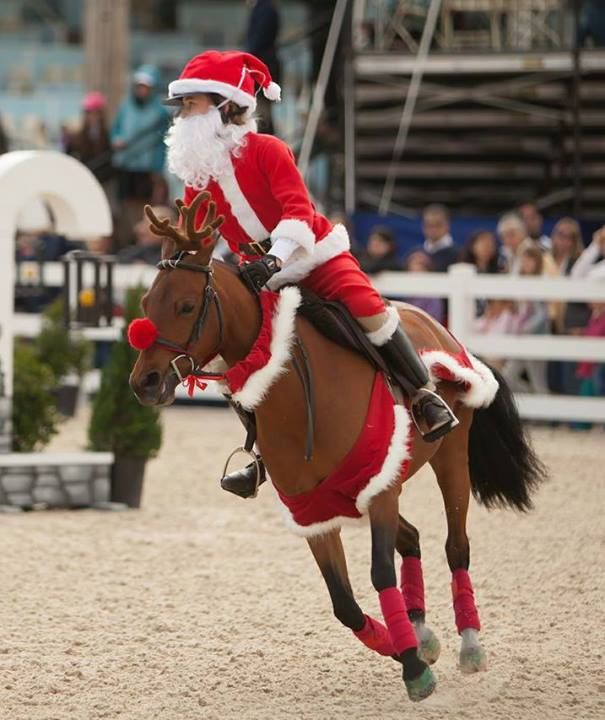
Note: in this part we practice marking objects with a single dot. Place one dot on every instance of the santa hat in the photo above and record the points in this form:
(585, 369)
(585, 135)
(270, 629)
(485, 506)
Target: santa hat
(232, 74)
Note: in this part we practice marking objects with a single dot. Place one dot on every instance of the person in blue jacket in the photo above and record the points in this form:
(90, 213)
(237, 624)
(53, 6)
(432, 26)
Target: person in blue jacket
(137, 137)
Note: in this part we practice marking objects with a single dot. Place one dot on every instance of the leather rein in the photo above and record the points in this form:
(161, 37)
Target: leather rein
(210, 297)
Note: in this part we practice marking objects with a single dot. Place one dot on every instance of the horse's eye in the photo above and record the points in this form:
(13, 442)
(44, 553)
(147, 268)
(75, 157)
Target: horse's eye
(187, 308)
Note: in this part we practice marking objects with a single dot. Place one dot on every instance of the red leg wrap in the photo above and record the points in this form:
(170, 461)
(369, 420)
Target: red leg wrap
(395, 614)
(375, 636)
(412, 583)
(464, 601)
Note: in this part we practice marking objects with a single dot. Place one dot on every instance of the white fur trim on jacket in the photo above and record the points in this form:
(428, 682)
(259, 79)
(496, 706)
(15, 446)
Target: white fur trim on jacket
(297, 230)
(385, 333)
(397, 454)
(301, 262)
(283, 325)
(191, 86)
(482, 385)
(241, 208)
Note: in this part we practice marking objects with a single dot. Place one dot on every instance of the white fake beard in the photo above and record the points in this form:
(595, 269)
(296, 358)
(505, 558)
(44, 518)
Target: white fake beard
(199, 146)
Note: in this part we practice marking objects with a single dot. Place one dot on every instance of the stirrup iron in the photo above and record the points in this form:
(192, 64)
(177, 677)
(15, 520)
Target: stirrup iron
(440, 430)
(255, 460)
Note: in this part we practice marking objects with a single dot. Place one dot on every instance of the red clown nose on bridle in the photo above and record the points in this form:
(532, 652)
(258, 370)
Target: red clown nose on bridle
(142, 333)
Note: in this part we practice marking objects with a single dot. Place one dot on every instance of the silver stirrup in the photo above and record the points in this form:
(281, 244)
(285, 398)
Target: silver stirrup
(251, 454)
(453, 419)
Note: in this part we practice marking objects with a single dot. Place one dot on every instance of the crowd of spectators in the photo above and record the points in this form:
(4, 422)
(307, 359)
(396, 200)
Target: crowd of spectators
(519, 247)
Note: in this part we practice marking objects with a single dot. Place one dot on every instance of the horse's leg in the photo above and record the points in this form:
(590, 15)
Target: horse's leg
(329, 555)
(450, 464)
(384, 520)
(407, 545)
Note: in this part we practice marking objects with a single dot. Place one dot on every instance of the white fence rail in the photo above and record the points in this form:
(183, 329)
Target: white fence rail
(461, 286)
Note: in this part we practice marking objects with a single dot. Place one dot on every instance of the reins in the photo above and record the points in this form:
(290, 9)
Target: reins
(210, 296)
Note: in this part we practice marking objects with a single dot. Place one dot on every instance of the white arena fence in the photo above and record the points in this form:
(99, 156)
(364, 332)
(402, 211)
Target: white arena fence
(461, 286)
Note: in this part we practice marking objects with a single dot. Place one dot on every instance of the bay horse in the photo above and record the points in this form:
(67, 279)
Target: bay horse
(200, 309)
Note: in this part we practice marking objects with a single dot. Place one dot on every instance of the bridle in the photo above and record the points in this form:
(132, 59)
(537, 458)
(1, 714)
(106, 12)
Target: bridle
(176, 262)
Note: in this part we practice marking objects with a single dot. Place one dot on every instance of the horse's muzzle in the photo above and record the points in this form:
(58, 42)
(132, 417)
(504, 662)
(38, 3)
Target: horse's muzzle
(154, 388)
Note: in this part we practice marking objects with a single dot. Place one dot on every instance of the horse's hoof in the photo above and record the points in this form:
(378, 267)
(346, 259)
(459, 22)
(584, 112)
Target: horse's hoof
(473, 659)
(429, 647)
(421, 687)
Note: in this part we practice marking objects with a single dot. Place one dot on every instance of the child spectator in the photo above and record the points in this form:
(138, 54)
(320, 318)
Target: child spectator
(531, 318)
(420, 261)
(380, 254)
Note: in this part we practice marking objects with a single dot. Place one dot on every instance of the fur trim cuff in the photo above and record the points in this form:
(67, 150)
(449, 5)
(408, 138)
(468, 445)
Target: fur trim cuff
(385, 333)
(301, 263)
(480, 385)
(296, 230)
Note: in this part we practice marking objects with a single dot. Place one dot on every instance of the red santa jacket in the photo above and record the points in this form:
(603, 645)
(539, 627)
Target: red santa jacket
(262, 195)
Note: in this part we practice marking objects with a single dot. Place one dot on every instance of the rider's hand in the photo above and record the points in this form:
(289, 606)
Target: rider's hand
(256, 274)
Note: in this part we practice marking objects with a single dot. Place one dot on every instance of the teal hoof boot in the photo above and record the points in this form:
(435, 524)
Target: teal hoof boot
(429, 647)
(422, 686)
(473, 659)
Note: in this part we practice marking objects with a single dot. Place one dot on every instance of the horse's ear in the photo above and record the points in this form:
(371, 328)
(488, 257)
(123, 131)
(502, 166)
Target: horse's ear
(168, 248)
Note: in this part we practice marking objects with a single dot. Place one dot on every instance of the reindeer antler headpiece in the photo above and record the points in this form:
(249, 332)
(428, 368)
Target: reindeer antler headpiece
(191, 239)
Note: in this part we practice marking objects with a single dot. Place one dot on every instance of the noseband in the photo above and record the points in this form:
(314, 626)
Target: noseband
(176, 262)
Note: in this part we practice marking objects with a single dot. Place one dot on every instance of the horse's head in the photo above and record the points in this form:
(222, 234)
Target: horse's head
(182, 326)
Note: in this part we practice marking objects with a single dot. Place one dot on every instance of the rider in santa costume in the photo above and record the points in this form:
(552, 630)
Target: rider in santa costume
(270, 221)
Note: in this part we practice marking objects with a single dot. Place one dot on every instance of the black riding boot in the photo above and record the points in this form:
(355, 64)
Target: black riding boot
(430, 413)
(244, 482)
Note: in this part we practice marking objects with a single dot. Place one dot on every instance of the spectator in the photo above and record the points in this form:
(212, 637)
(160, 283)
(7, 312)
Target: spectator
(592, 23)
(438, 242)
(261, 40)
(513, 234)
(137, 137)
(534, 222)
(148, 246)
(497, 318)
(531, 318)
(481, 250)
(567, 318)
(91, 144)
(592, 374)
(3, 139)
(420, 261)
(567, 247)
(591, 263)
(380, 254)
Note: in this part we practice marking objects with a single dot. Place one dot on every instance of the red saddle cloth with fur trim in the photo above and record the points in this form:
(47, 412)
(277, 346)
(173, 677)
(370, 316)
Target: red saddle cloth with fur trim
(338, 495)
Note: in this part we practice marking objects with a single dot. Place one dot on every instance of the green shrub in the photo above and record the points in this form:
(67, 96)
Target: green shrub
(34, 410)
(119, 423)
(57, 347)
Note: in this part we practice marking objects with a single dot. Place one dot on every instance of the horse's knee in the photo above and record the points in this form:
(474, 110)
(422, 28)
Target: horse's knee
(383, 573)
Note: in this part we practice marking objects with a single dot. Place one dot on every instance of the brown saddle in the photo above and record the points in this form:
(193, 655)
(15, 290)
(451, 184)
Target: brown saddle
(335, 322)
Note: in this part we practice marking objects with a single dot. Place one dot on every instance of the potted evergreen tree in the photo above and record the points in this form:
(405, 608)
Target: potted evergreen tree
(65, 354)
(119, 423)
(34, 416)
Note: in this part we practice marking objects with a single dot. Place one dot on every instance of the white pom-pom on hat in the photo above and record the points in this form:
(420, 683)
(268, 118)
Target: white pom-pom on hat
(272, 92)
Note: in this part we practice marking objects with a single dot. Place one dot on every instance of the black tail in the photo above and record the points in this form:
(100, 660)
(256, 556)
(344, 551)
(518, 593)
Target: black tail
(504, 469)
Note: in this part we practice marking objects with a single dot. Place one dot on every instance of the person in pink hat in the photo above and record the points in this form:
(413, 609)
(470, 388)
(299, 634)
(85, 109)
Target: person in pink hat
(270, 221)
(90, 144)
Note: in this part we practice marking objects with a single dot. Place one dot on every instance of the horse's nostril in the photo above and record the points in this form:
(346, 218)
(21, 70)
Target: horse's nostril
(152, 380)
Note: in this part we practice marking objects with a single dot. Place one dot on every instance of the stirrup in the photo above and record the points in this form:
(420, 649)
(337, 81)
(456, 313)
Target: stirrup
(257, 467)
(440, 430)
